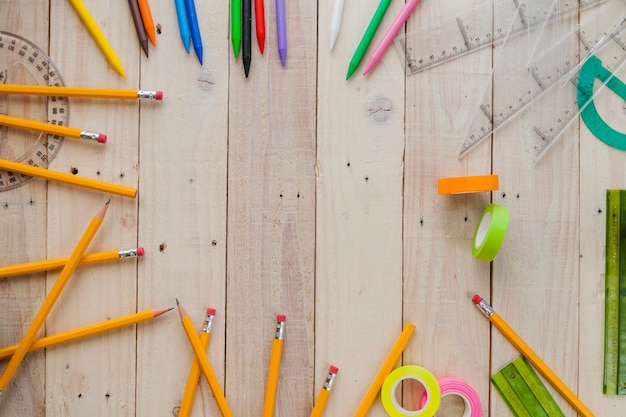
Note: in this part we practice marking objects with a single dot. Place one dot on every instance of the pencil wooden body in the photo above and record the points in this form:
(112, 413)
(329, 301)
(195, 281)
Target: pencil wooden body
(67, 178)
(83, 92)
(246, 35)
(83, 332)
(387, 366)
(540, 365)
(205, 365)
(320, 403)
(51, 298)
(192, 379)
(26, 124)
(272, 378)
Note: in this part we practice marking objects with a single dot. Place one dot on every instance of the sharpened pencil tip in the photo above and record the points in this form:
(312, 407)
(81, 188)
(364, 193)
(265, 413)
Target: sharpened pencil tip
(108, 202)
(177, 302)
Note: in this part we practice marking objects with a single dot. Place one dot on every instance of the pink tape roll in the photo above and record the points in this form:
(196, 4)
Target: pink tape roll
(473, 406)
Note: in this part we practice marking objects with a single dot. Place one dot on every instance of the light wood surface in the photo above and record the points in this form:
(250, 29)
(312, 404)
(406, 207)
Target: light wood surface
(296, 192)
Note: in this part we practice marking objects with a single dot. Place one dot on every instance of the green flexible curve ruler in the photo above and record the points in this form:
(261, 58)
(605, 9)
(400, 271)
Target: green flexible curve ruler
(523, 392)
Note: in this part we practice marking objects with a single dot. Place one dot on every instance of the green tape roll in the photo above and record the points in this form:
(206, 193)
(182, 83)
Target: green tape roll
(490, 232)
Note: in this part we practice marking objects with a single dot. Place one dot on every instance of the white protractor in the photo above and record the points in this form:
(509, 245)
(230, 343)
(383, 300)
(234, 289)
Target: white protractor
(21, 62)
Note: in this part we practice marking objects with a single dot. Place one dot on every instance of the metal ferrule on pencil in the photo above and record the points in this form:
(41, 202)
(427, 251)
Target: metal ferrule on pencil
(208, 321)
(328, 385)
(85, 134)
(485, 308)
(151, 95)
(280, 326)
(128, 253)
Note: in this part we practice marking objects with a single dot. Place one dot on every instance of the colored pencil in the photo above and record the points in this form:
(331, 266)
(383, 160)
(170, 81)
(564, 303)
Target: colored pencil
(109, 93)
(368, 36)
(259, 18)
(52, 264)
(139, 27)
(274, 368)
(322, 397)
(148, 22)
(335, 22)
(385, 369)
(281, 30)
(97, 35)
(70, 132)
(194, 373)
(192, 17)
(235, 25)
(246, 33)
(531, 356)
(88, 331)
(70, 179)
(203, 361)
(391, 33)
(183, 23)
(31, 333)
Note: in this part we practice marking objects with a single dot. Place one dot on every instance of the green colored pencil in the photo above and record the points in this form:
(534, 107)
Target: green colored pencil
(235, 25)
(368, 36)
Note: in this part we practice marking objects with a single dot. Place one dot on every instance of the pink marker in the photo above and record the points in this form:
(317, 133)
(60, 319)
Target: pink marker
(382, 47)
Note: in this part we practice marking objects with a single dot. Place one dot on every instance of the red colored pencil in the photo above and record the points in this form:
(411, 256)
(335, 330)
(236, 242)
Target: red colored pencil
(259, 17)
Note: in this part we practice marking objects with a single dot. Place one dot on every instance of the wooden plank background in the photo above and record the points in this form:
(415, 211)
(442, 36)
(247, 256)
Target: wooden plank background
(295, 191)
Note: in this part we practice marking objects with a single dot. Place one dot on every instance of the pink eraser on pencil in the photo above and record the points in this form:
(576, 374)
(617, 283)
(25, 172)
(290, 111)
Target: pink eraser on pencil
(102, 138)
(159, 95)
(281, 318)
(210, 311)
(140, 251)
(333, 369)
(477, 299)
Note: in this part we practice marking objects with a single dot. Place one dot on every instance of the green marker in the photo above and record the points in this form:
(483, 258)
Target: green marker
(235, 25)
(368, 36)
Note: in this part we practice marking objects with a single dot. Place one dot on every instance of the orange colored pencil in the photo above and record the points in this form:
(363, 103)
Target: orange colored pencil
(322, 397)
(91, 330)
(83, 92)
(70, 132)
(148, 23)
(52, 297)
(274, 368)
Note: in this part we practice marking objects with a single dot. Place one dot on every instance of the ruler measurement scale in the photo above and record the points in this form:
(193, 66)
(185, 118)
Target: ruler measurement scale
(611, 297)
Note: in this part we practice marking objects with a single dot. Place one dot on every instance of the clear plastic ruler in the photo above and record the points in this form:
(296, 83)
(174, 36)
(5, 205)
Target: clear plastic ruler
(478, 28)
(551, 75)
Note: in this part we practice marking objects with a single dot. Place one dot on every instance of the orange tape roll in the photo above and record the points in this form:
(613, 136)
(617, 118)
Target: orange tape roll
(470, 184)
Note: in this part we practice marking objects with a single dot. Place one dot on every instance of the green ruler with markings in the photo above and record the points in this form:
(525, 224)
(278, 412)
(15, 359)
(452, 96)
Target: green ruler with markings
(523, 392)
(615, 294)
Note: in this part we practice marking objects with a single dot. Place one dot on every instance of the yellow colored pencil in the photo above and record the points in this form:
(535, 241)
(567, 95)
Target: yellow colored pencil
(148, 23)
(87, 331)
(274, 368)
(49, 128)
(83, 92)
(33, 171)
(51, 298)
(194, 373)
(203, 361)
(385, 369)
(98, 36)
(322, 397)
(532, 357)
(49, 265)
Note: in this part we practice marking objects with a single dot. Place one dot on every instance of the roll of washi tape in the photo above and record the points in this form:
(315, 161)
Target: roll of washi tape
(470, 184)
(490, 232)
(431, 388)
(452, 386)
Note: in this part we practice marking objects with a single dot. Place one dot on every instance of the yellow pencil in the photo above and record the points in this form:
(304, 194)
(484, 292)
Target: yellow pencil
(33, 171)
(194, 373)
(148, 23)
(385, 369)
(531, 356)
(203, 361)
(70, 132)
(97, 35)
(87, 331)
(322, 398)
(51, 298)
(49, 265)
(83, 92)
(274, 368)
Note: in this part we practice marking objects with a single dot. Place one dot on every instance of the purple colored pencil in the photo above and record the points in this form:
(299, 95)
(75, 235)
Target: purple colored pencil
(281, 30)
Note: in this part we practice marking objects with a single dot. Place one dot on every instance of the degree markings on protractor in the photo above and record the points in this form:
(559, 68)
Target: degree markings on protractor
(21, 62)
(473, 31)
